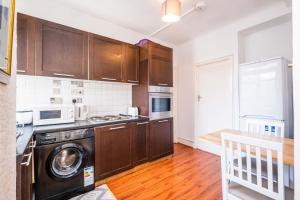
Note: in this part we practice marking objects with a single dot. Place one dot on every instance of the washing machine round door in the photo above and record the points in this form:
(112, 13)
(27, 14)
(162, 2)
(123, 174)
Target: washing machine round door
(66, 161)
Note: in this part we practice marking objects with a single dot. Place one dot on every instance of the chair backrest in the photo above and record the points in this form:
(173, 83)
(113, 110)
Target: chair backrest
(265, 126)
(253, 148)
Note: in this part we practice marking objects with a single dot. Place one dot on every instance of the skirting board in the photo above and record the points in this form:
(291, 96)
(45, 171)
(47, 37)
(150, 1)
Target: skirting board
(185, 142)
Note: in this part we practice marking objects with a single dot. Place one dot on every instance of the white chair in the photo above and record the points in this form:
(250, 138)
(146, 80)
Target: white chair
(268, 127)
(265, 126)
(239, 183)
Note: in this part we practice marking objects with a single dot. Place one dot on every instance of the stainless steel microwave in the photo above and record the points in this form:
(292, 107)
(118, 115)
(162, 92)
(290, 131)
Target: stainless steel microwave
(160, 102)
(53, 114)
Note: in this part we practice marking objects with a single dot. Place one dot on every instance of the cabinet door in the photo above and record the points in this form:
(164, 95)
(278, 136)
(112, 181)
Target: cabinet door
(25, 43)
(113, 150)
(61, 51)
(24, 174)
(161, 138)
(102, 153)
(161, 52)
(161, 72)
(106, 59)
(141, 143)
(130, 71)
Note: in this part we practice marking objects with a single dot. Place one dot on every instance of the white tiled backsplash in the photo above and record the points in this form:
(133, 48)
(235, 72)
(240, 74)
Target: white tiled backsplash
(102, 98)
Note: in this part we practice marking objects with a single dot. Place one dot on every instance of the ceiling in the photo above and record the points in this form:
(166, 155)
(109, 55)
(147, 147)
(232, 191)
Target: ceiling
(144, 16)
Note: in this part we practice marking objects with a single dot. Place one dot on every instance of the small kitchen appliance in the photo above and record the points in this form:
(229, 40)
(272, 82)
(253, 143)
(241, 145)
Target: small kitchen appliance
(81, 111)
(133, 111)
(53, 114)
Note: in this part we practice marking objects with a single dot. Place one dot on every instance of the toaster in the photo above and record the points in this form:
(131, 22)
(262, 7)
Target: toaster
(133, 111)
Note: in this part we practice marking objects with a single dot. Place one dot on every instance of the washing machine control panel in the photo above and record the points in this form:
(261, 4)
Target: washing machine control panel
(49, 138)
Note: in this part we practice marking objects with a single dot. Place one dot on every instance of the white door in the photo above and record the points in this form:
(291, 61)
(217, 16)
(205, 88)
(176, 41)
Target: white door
(214, 96)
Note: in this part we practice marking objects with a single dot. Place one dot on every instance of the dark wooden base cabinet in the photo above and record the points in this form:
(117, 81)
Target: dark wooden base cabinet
(123, 146)
(24, 178)
(141, 143)
(113, 146)
(161, 138)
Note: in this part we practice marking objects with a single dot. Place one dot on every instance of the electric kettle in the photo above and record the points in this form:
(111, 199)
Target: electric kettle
(81, 111)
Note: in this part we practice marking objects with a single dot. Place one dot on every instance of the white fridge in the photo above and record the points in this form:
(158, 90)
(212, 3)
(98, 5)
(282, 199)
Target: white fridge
(265, 92)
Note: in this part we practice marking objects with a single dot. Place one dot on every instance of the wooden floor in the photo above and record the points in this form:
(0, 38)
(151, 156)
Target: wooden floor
(189, 174)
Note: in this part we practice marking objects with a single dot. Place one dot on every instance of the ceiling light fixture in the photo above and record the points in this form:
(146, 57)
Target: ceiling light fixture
(171, 10)
(200, 6)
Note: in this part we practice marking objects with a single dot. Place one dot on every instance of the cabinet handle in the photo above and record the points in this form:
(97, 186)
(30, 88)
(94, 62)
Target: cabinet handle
(142, 123)
(132, 81)
(163, 84)
(33, 144)
(66, 75)
(115, 128)
(109, 79)
(27, 163)
(162, 121)
(21, 71)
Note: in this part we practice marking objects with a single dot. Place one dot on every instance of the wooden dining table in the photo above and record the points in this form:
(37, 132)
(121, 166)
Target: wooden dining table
(288, 144)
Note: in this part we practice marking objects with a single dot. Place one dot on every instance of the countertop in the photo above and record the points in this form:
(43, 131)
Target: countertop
(29, 130)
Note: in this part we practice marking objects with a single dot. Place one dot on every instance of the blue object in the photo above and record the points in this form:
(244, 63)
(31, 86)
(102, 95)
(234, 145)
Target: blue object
(273, 129)
(266, 128)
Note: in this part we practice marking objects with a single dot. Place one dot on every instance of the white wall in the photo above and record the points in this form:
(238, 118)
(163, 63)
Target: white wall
(219, 43)
(296, 71)
(271, 39)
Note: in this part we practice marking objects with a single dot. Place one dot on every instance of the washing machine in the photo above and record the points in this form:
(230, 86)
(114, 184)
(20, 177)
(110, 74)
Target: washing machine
(64, 164)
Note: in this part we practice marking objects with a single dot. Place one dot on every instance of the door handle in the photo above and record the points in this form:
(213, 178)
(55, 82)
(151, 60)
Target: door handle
(64, 75)
(199, 98)
(163, 84)
(109, 79)
(116, 128)
(132, 81)
(142, 123)
(162, 121)
(27, 163)
(33, 144)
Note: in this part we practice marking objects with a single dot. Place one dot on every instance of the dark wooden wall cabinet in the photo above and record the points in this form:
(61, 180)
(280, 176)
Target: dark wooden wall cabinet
(60, 51)
(49, 49)
(26, 44)
(106, 59)
(156, 64)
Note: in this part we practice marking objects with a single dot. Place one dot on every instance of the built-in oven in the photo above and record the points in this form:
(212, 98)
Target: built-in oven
(160, 102)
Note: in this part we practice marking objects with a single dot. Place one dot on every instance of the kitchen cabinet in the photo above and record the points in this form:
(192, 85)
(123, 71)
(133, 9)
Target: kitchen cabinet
(161, 72)
(141, 143)
(157, 62)
(130, 69)
(24, 178)
(113, 149)
(161, 138)
(105, 58)
(25, 44)
(61, 51)
(49, 49)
